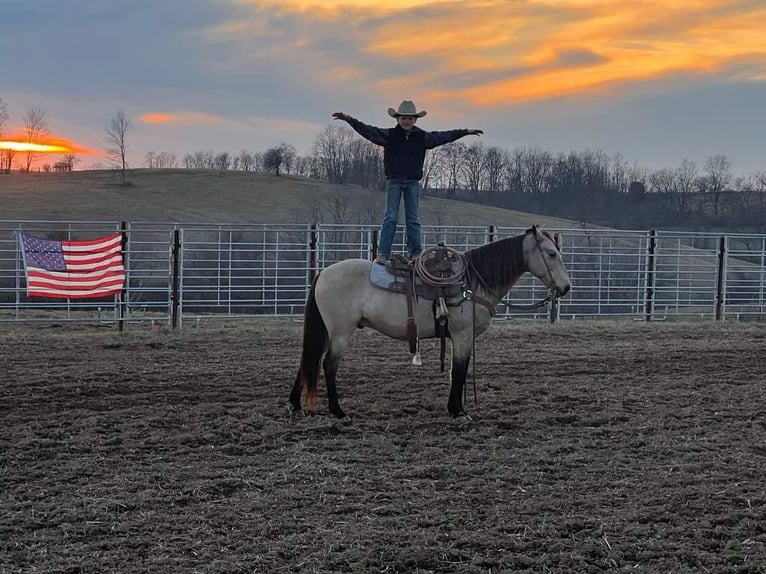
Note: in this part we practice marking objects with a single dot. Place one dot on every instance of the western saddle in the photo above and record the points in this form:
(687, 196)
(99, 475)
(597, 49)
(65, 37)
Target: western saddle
(440, 269)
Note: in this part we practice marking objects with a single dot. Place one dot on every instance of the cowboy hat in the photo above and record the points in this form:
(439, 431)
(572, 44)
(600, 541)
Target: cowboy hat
(406, 108)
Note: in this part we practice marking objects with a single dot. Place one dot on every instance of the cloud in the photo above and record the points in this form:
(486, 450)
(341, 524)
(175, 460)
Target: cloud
(494, 52)
(202, 119)
(181, 118)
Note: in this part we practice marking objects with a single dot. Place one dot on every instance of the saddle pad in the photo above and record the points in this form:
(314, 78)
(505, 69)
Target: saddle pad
(380, 277)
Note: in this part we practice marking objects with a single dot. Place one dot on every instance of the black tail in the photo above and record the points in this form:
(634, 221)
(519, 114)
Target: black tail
(314, 346)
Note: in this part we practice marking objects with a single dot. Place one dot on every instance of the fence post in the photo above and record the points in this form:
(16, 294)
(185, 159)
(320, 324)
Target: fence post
(125, 266)
(313, 256)
(175, 278)
(491, 233)
(720, 297)
(555, 311)
(374, 245)
(651, 276)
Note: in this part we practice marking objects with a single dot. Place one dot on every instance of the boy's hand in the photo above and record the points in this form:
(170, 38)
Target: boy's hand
(340, 116)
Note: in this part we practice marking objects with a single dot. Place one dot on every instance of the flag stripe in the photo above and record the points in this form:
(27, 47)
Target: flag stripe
(72, 258)
(86, 279)
(91, 268)
(113, 261)
(100, 244)
(77, 294)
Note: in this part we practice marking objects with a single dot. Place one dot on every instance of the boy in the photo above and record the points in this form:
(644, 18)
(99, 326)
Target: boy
(404, 151)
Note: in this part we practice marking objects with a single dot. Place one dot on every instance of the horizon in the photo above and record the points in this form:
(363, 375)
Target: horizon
(656, 83)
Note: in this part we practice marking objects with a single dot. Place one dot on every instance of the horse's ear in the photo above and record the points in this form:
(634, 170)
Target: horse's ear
(535, 229)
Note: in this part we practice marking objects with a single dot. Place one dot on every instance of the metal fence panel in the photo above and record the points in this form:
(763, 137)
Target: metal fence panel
(237, 271)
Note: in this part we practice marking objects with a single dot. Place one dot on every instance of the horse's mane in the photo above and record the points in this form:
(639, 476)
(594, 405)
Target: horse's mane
(498, 264)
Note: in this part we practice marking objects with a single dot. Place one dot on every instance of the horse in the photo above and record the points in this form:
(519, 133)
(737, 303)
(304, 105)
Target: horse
(342, 299)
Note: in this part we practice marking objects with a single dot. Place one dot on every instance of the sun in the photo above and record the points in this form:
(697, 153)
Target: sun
(33, 147)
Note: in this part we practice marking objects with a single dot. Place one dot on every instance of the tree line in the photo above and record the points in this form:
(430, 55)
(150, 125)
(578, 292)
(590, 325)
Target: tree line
(588, 185)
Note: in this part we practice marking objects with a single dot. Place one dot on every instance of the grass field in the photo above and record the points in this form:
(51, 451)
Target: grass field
(182, 195)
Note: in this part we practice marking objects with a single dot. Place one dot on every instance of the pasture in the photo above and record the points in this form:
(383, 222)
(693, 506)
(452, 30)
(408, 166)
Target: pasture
(186, 195)
(594, 447)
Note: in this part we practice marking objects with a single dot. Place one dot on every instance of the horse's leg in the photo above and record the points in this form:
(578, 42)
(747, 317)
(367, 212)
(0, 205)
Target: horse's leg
(461, 357)
(338, 346)
(295, 395)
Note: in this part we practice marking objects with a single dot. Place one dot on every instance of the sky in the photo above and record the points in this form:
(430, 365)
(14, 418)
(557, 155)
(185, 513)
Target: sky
(653, 80)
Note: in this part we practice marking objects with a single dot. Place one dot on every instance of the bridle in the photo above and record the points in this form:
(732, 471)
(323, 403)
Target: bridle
(553, 292)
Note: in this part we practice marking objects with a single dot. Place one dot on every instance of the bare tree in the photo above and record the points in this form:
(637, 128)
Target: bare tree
(495, 163)
(167, 160)
(245, 160)
(536, 171)
(35, 128)
(308, 166)
(518, 163)
(6, 156)
(474, 167)
(432, 167)
(275, 158)
(4, 117)
(69, 161)
(332, 149)
(116, 139)
(454, 158)
(272, 160)
(200, 160)
(663, 181)
(222, 161)
(289, 153)
(718, 176)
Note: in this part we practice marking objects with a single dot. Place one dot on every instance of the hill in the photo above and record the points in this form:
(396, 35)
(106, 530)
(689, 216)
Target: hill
(189, 196)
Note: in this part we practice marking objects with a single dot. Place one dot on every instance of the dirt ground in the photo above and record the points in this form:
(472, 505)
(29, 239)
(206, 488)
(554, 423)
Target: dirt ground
(594, 447)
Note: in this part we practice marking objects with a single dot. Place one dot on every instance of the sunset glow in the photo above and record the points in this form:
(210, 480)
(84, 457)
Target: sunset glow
(180, 118)
(491, 53)
(40, 148)
(658, 81)
(48, 144)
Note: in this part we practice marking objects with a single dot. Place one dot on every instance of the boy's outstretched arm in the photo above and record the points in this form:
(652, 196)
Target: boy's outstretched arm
(435, 139)
(377, 136)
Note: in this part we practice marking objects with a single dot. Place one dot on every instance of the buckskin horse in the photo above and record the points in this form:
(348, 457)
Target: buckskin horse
(343, 299)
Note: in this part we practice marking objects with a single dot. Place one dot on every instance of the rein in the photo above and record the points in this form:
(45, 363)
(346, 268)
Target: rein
(552, 295)
(469, 295)
(540, 303)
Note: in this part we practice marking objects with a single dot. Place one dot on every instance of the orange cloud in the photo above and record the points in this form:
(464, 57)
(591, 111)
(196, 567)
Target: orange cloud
(181, 118)
(195, 119)
(492, 52)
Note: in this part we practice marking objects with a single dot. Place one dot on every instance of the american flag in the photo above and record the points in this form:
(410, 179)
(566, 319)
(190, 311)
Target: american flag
(73, 269)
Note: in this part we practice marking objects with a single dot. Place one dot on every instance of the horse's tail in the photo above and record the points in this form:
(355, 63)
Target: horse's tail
(315, 340)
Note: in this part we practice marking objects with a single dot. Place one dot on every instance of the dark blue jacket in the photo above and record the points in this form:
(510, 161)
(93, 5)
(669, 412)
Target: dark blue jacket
(404, 153)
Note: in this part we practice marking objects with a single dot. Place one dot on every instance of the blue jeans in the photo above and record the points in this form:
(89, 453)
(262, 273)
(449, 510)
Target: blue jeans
(395, 189)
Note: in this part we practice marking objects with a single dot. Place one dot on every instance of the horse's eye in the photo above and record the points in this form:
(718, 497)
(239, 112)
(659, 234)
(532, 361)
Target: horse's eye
(552, 254)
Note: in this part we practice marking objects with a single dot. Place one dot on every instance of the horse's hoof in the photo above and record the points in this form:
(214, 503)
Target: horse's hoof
(295, 413)
(461, 419)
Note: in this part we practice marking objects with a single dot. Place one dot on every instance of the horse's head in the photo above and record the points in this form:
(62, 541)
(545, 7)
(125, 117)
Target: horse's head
(542, 259)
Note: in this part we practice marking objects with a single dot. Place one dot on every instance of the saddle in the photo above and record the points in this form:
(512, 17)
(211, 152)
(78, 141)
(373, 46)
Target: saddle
(435, 275)
(437, 272)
